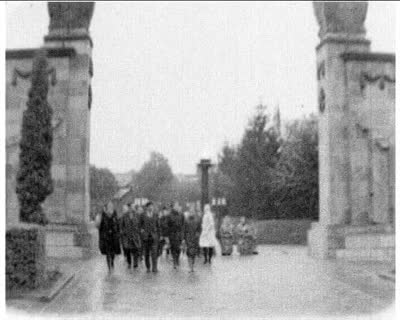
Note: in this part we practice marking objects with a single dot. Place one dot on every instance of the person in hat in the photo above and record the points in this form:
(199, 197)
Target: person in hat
(130, 236)
(164, 229)
(175, 232)
(150, 229)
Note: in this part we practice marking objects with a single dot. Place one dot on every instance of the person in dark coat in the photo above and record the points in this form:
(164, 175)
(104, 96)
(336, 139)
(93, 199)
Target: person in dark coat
(191, 235)
(164, 229)
(150, 229)
(140, 212)
(130, 236)
(107, 223)
(175, 233)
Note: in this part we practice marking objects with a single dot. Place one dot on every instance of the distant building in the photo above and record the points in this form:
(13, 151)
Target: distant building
(124, 179)
(121, 198)
(187, 177)
(125, 196)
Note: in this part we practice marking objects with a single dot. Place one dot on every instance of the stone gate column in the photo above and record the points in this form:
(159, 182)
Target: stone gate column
(69, 28)
(341, 30)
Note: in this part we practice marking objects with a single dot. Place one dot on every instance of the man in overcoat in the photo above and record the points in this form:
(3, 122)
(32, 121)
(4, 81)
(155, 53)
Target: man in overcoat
(130, 236)
(176, 222)
(150, 229)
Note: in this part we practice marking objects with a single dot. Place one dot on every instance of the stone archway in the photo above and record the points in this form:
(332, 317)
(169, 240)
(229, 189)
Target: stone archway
(355, 87)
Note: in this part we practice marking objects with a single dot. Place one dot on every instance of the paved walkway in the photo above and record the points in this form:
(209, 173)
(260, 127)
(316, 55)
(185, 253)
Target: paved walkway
(280, 281)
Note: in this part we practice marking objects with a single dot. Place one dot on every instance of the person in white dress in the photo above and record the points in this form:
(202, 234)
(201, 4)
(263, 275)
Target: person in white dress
(208, 240)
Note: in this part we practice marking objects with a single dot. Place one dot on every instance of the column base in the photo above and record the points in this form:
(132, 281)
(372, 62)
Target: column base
(324, 241)
(71, 241)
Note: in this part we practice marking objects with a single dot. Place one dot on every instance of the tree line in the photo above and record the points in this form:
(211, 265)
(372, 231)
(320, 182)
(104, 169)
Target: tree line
(271, 174)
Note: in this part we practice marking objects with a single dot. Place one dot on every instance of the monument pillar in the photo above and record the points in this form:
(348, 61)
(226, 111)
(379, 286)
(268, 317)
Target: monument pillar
(341, 30)
(69, 28)
(356, 100)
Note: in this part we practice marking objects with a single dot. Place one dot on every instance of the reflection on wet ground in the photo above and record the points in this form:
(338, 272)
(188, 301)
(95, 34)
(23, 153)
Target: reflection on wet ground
(279, 281)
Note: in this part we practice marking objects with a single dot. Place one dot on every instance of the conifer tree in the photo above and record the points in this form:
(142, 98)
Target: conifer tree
(34, 182)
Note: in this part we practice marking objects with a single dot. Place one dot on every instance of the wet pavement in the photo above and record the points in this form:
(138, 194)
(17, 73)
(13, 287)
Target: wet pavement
(280, 281)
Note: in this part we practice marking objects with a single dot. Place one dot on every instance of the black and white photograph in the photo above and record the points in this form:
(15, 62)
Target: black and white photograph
(199, 159)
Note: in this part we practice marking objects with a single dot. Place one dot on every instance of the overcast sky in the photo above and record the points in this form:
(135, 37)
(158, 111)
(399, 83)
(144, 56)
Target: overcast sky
(181, 78)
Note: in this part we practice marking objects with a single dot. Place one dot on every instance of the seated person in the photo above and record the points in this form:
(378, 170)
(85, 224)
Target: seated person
(246, 237)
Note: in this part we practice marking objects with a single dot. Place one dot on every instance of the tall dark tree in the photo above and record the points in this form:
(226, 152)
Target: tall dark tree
(103, 184)
(34, 182)
(271, 176)
(296, 179)
(227, 160)
(257, 157)
(154, 180)
(185, 190)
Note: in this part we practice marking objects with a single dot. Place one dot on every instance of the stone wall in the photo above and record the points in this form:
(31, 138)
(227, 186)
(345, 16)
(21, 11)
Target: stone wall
(16, 98)
(282, 231)
(68, 97)
(371, 103)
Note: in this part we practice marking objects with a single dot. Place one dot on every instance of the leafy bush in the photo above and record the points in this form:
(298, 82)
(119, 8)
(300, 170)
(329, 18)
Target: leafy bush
(25, 258)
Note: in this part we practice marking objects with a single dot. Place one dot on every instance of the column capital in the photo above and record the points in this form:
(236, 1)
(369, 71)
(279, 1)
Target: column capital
(69, 20)
(341, 20)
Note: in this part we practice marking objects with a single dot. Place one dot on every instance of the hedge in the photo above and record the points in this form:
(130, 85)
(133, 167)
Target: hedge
(283, 231)
(25, 257)
(279, 231)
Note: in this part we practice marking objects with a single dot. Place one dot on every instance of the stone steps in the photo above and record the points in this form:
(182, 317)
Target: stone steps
(64, 251)
(369, 229)
(371, 246)
(61, 243)
(369, 254)
(60, 238)
(368, 241)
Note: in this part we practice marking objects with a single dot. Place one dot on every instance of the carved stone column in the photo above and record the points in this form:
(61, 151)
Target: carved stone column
(341, 30)
(69, 28)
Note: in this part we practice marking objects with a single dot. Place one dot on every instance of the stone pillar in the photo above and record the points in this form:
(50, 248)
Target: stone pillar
(204, 165)
(341, 30)
(69, 28)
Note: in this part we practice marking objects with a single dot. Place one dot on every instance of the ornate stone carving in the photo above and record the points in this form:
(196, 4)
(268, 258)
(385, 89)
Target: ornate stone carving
(13, 141)
(321, 100)
(27, 74)
(90, 97)
(381, 78)
(70, 15)
(341, 17)
(91, 67)
(321, 71)
(382, 143)
(362, 131)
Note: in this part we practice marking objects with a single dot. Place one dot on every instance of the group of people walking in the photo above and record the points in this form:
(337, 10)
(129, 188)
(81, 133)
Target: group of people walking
(144, 233)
